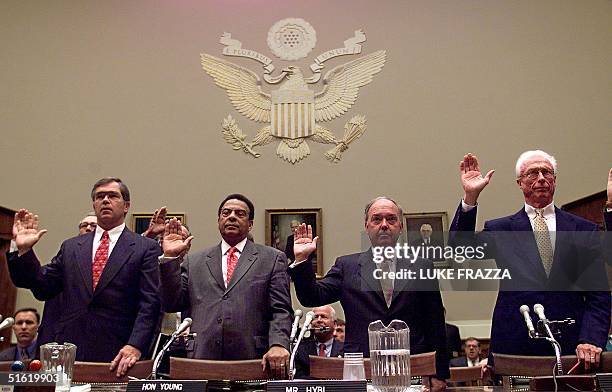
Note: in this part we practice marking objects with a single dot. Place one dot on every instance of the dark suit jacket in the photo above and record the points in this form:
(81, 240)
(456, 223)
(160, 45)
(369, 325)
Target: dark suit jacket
(241, 322)
(123, 309)
(310, 347)
(577, 266)
(51, 313)
(458, 362)
(9, 354)
(453, 340)
(289, 248)
(350, 281)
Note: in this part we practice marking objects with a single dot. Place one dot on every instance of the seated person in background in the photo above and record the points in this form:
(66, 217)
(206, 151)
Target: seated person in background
(25, 330)
(472, 355)
(321, 342)
(339, 331)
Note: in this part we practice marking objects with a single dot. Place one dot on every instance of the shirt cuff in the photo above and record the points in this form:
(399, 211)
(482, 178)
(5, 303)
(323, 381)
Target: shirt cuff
(163, 259)
(296, 263)
(466, 207)
(13, 247)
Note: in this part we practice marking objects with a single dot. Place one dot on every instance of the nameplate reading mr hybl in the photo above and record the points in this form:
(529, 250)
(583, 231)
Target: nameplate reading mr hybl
(317, 386)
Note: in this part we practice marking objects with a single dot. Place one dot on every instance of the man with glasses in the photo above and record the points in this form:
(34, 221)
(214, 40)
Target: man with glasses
(88, 224)
(553, 257)
(109, 279)
(237, 292)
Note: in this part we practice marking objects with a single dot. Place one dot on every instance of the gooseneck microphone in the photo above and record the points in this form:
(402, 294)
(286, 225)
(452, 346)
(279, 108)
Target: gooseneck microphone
(181, 328)
(296, 323)
(309, 317)
(524, 309)
(8, 322)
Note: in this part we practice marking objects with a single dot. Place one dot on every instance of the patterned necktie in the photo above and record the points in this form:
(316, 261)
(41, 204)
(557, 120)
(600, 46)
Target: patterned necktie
(386, 283)
(24, 354)
(542, 237)
(322, 350)
(100, 259)
(232, 261)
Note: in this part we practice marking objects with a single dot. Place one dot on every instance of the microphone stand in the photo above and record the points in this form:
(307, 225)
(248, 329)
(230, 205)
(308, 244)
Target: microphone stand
(161, 353)
(547, 334)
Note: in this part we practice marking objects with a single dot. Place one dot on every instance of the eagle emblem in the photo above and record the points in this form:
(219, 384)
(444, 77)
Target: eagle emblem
(293, 113)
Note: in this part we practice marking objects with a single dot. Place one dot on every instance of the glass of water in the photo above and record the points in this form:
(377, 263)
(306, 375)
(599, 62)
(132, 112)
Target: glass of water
(353, 367)
(59, 358)
(390, 356)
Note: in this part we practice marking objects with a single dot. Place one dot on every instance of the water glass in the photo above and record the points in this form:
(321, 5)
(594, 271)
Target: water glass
(59, 358)
(353, 367)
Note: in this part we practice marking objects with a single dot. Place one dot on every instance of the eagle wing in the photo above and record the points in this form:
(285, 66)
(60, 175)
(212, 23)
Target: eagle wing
(242, 85)
(342, 85)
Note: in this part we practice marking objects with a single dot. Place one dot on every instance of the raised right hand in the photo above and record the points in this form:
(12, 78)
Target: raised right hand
(157, 223)
(303, 243)
(471, 178)
(173, 243)
(25, 230)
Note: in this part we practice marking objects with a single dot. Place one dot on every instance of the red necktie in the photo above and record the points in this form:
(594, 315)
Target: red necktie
(322, 350)
(100, 259)
(232, 260)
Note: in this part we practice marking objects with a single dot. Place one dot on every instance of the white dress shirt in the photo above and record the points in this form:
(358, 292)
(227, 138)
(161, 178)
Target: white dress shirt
(113, 237)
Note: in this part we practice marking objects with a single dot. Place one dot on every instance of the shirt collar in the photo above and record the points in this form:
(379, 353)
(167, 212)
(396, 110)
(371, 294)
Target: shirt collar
(549, 211)
(327, 343)
(225, 246)
(113, 234)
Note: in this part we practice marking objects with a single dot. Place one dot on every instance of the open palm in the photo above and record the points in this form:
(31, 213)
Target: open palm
(25, 230)
(303, 243)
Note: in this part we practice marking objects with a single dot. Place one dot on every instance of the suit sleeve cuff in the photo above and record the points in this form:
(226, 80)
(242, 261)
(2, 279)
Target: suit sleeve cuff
(466, 207)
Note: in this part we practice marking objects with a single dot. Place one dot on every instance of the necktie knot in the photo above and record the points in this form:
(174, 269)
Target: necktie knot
(322, 350)
(539, 212)
(105, 236)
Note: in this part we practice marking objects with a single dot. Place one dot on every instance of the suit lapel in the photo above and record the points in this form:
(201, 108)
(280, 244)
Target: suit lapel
(246, 260)
(214, 261)
(85, 260)
(366, 271)
(528, 249)
(120, 255)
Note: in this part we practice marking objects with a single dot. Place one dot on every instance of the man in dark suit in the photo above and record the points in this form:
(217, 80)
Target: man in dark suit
(290, 239)
(563, 271)
(25, 329)
(237, 292)
(366, 295)
(54, 306)
(322, 342)
(109, 279)
(472, 354)
(433, 248)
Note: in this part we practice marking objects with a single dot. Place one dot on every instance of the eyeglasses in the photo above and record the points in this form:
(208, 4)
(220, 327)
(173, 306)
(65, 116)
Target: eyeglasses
(99, 196)
(533, 174)
(239, 213)
(83, 225)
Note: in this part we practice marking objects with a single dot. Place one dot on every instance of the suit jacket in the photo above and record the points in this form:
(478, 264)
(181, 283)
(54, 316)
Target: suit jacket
(567, 292)
(9, 354)
(123, 309)
(453, 340)
(310, 347)
(241, 321)
(458, 362)
(351, 281)
(51, 313)
(289, 248)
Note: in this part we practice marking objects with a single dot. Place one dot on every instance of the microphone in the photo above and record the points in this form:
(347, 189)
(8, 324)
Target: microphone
(539, 310)
(296, 322)
(8, 322)
(183, 327)
(319, 329)
(524, 309)
(309, 317)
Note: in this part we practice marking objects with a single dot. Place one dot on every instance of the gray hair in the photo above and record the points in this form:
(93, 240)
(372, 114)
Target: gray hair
(332, 311)
(531, 154)
(369, 205)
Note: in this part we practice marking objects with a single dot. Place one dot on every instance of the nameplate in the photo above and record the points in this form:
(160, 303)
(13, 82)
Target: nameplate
(167, 385)
(317, 386)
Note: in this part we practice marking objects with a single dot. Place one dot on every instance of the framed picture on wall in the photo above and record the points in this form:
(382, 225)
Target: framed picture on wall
(140, 221)
(279, 231)
(427, 228)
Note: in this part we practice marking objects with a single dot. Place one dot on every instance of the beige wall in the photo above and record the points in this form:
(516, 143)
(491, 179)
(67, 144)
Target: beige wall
(99, 88)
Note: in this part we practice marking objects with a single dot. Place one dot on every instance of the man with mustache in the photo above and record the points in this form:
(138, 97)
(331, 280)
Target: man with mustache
(236, 292)
(109, 279)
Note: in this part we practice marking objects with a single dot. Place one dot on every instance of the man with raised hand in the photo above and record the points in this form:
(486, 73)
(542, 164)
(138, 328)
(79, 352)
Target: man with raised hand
(236, 292)
(553, 257)
(365, 297)
(109, 279)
